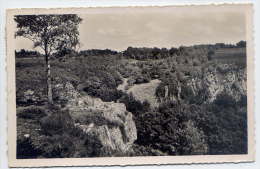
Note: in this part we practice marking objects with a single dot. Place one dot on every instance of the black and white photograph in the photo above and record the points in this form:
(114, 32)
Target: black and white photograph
(134, 82)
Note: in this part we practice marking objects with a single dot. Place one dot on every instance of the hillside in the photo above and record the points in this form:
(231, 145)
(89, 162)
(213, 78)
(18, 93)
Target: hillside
(177, 102)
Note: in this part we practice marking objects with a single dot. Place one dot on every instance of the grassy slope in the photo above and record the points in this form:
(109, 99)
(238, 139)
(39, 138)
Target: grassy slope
(146, 91)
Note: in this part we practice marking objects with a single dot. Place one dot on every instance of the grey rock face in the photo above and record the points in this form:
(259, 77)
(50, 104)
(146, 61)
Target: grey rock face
(228, 79)
(108, 122)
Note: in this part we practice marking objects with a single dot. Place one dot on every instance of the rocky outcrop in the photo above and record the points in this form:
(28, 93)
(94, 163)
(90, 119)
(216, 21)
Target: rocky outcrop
(225, 78)
(109, 123)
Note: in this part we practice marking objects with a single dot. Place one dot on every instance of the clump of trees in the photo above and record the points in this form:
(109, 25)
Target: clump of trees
(241, 44)
(65, 52)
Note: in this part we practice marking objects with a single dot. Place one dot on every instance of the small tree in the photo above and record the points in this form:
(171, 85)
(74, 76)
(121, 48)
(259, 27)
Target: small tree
(51, 33)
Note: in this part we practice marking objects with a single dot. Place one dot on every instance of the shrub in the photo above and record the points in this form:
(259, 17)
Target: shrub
(142, 79)
(56, 123)
(25, 149)
(224, 100)
(170, 130)
(103, 86)
(131, 103)
(31, 112)
(195, 140)
(58, 146)
(196, 63)
(146, 106)
(224, 123)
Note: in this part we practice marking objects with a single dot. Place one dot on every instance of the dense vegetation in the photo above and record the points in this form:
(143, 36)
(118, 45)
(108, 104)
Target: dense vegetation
(184, 123)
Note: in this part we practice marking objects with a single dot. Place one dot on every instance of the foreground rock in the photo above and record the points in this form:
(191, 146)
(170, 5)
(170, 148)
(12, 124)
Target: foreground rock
(107, 123)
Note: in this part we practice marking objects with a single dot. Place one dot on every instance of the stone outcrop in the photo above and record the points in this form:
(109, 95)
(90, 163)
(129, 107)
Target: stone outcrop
(109, 123)
(224, 78)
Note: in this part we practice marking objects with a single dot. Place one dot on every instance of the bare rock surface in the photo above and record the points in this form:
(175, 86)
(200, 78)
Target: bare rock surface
(108, 122)
(225, 78)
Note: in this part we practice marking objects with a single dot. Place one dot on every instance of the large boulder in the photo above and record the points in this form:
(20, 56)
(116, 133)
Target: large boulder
(108, 123)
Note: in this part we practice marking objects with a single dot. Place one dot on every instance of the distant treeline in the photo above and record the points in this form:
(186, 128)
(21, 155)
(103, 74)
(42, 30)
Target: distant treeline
(159, 53)
(26, 54)
(97, 52)
(139, 53)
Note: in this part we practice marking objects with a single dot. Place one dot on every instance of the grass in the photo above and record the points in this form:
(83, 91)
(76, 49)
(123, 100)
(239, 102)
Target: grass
(146, 92)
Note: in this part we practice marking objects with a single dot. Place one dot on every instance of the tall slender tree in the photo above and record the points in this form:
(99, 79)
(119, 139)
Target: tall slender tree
(51, 33)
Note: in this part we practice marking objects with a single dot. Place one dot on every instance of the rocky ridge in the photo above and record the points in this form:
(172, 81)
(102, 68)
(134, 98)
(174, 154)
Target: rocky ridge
(224, 78)
(108, 122)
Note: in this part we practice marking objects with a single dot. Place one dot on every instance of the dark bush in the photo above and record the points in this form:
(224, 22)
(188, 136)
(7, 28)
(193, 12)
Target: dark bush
(224, 100)
(25, 149)
(142, 79)
(196, 63)
(58, 146)
(224, 122)
(31, 112)
(170, 130)
(132, 104)
(57, 122)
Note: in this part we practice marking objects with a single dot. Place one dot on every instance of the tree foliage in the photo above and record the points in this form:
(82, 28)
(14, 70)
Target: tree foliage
(49, 32)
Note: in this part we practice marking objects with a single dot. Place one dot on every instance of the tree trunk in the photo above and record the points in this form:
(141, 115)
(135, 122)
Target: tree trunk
(48, 73)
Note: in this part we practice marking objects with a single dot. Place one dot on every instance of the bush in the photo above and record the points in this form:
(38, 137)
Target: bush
(103, 86)
(58, 146)
(170, 130)
(56, 123)
(25, 149)
(31, 112)
(195, 140)
(224, 100)
(196, 63)
(142, 79)
(132, 104)
(224, 123)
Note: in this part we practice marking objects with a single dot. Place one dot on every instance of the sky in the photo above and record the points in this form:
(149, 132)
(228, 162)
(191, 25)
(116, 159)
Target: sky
(120, 28)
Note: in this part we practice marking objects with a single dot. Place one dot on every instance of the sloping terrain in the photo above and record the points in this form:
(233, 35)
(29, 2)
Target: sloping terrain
(146, 92)
(107, 127)
(107, 106)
